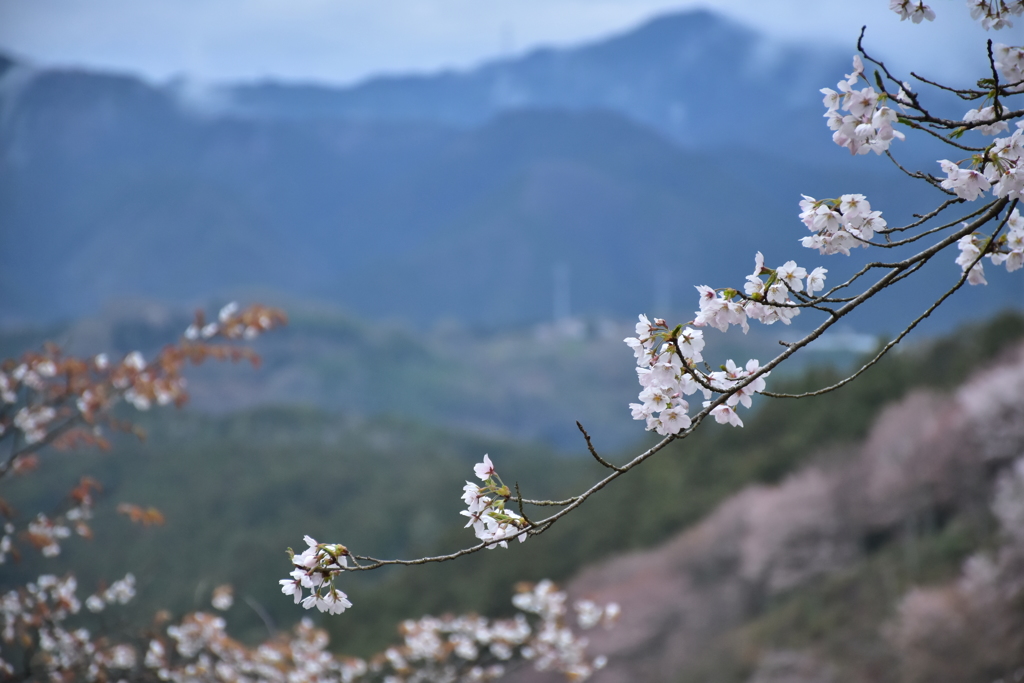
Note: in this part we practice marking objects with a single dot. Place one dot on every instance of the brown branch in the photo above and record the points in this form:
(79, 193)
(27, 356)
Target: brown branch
(50, 437)
(519, 501)
(593, 452)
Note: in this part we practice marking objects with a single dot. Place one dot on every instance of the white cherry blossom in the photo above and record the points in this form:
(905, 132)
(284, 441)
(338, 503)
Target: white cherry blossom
(909, 9)
(816, 280)
(867, 127)
(1010, 61)
(725, 414)
(986, 114)
(485, 469)
(967, 183)
(792, 275)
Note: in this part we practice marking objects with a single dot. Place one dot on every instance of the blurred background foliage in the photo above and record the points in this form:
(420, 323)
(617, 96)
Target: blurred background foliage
(237, 489)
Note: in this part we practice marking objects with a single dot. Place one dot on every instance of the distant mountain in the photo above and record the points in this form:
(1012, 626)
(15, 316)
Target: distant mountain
(697, 77)
(113, 188)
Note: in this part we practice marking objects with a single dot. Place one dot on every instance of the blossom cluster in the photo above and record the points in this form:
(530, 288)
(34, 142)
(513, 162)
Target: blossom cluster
(765, 300)
(667, 370)
(1000, 169)
(867, 125)
(1006, 249)
(36, 614)
(839, 225)
(458, 649)
(916, 11)
(1009, 60)
(46, 533)
(986, 120)
(492, 522)
(555, 646)
(7, 542)
(33, 421)
(234, 323)
(665, 367)
(315, 570)
(33, 615)
(667, 359)
(223, 597)
(121, 592)
(473, 648)
(995, 14)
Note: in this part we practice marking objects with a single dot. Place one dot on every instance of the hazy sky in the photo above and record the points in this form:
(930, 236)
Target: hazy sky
(344, 40)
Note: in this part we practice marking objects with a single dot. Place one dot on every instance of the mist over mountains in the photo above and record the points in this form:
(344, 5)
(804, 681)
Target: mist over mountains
(636, 167)
(690, 76)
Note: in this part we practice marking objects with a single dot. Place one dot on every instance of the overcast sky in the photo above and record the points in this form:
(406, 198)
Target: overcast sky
(341, 41)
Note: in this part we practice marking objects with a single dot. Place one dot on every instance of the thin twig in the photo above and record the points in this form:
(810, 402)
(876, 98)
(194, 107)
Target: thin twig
(593, 451)
(913, 123)
(921, 175)
(924, 218)
(519, 501)
(549, 503)
(962, 92)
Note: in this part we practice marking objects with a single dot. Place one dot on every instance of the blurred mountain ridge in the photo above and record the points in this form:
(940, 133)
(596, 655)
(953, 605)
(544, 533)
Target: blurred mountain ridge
(690, 75)
(118, 188)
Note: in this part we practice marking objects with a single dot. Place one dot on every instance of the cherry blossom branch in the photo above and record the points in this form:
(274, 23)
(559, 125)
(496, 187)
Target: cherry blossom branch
(988, 211)
(539, 527)
(530, 528)
(669, 359)
(896, 272)
(885, 349)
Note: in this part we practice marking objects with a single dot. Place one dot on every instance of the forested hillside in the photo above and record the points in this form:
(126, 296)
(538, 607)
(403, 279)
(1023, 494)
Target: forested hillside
(892, 558)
